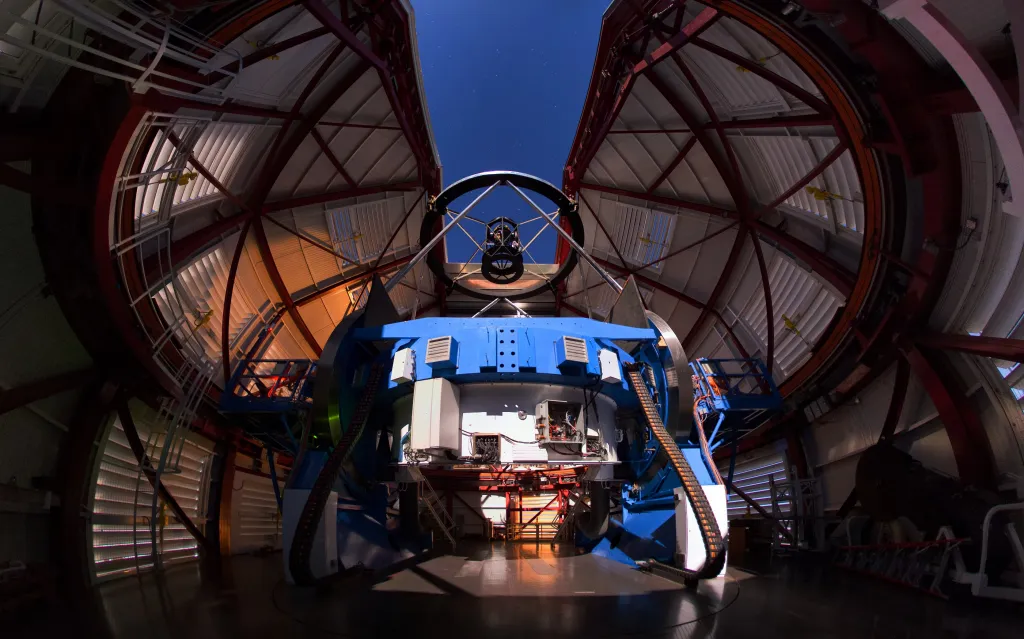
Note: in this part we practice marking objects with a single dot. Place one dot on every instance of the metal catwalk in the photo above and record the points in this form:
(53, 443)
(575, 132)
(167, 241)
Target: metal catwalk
(526, 590)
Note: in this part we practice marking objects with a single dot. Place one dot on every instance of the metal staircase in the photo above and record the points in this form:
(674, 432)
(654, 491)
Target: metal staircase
(568, 525)
(442, 518)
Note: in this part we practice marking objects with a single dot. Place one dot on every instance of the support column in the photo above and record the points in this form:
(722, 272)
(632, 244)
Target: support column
(967, 436)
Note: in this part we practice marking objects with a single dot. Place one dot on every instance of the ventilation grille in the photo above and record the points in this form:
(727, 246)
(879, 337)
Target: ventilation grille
(122, 504)
(575, 350)
(438, 350)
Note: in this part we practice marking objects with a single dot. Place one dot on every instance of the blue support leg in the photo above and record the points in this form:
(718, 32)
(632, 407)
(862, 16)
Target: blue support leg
(718, 425)
(288, 430)
(732, 461)
(273, 480)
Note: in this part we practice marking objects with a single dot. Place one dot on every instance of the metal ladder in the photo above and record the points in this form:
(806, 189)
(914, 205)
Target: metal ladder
(441, 516)
(714, 546)
(568, 522)
(302, 543)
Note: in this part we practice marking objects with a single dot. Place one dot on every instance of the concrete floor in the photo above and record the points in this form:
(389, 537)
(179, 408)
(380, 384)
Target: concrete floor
(529, 591)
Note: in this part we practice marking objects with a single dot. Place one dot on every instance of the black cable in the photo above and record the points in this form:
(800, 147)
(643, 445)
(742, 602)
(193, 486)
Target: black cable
(516, 441)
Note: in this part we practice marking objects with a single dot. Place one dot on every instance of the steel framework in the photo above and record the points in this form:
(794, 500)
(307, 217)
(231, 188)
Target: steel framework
(914, 134)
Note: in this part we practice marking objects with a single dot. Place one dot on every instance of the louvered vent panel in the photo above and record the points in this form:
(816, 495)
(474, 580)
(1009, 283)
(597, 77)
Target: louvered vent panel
(438, 349)
(122, 504)
(803, 308)
(220, 149)
(361, 231)
(193, 305)
(575, 349)
(754, 478)
(644, 235)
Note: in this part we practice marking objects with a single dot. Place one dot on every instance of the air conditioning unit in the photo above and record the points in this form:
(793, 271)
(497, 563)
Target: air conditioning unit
(571, 355)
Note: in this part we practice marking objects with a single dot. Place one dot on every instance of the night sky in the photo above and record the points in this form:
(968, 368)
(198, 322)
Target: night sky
(505, 85)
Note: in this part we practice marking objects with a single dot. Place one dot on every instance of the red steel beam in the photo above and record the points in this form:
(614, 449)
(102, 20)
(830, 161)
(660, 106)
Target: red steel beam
(131, 433)
(354, 125)
(202, 170)
(18, 396)
(352, 279)
(830, 270)
(732, 177)
(758, 70)
(1011, 350)
(574, 309)
(954, 101)
(223, 73)
(596, 138)
(768, 310)
(330, 196)
(778, 122)
(699, 207)
(600, 224)
(781, 122)
(679, 295)
(281, 288)
(283, 149)
(276, 48)
(813, 173)
(225, 328)
(281, 152)
(761, 511)
(639, 131)
(700, 23)
(589, 288)
(971, 448)
(723, 279)
(332, 158)
(655, 284)
(184, 248)
(156, 101)
(673, 164)
(345, 35)
(688, 246)
(311, 240)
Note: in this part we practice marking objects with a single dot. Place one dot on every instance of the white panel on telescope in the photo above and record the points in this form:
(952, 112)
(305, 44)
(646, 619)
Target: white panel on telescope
(689, 542)
(435, 416)
(610, 371)
(403, 368)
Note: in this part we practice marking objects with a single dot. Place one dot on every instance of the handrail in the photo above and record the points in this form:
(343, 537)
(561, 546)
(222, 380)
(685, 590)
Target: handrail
(979, 581)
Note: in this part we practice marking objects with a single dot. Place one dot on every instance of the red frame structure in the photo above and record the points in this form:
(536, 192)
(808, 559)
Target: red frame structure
(920, 139)
(390, 55)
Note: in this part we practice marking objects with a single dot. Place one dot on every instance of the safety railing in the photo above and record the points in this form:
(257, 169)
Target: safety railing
(733, 384)
(72, 33)
(280, 380)
(155, 166)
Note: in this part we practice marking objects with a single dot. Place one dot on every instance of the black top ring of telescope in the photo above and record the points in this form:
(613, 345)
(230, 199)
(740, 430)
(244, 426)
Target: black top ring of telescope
(502, 262)
(434, 220)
